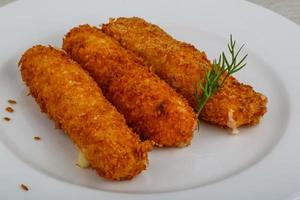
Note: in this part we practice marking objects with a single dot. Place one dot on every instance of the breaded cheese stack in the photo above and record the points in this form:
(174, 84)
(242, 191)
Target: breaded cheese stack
(73, 100)
(181, 65)
(151, 107)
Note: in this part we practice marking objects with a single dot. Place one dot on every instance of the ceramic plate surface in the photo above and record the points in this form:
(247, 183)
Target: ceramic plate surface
(262, 162)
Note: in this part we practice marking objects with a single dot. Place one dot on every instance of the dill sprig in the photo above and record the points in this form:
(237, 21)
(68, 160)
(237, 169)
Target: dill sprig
(220, 70)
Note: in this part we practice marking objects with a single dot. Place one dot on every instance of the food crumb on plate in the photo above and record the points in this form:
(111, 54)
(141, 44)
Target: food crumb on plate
(37, 138)
(24, 187)
(6, 118)
(9, 109)
(11, 101)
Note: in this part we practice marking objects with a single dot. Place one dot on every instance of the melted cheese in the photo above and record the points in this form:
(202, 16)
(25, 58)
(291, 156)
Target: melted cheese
(231, 123)
(82, 161)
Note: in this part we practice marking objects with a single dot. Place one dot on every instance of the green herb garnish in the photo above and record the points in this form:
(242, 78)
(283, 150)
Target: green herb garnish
(220, 70)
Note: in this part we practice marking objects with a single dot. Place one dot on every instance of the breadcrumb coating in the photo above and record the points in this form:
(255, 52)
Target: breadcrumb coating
(181, 65)
(151, 107)
(73, 100)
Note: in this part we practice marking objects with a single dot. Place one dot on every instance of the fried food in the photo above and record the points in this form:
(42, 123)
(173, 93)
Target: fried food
(150, 106)
(73, 100)
(181, 65)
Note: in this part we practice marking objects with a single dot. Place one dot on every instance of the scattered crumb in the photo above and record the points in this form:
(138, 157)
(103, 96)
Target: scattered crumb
(36, 138)
(24, 187)
(9, 109)
(28, 94)
(6, 118)
(11, 101)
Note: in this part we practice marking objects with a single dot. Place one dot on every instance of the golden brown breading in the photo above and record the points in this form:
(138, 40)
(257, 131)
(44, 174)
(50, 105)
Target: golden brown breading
(150, 106)
(181, 65)
(73, 100)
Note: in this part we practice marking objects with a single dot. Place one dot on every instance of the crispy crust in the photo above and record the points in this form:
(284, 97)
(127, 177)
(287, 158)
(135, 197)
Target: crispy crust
(150, 106)
(181, 65)
(73, 100)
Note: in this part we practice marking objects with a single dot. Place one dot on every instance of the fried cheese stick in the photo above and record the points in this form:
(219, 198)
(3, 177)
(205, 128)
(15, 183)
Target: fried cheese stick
(73, 100)
(150, 105)
(181, 65)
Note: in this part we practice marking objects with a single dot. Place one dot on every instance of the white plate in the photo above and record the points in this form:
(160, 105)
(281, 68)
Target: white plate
(260, 163)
